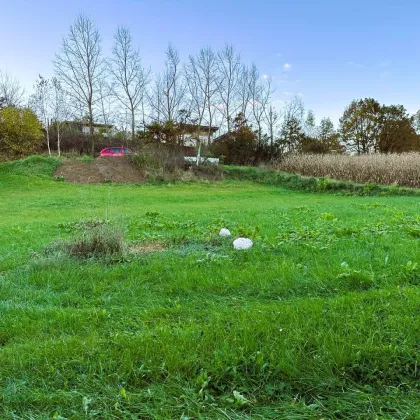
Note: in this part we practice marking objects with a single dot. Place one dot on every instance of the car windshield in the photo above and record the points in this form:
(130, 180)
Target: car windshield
(116, 150)
(127, 151)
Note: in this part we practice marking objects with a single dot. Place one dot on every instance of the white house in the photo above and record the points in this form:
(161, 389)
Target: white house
(205, 134)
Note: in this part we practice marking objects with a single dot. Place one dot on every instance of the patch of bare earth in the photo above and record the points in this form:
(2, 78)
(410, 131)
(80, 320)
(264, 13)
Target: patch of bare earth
(118, 169)
(148, 248)
(115, 169)
(79, 172)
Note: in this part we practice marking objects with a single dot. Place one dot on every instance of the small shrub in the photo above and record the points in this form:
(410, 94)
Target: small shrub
(156, 160)
(99, 242)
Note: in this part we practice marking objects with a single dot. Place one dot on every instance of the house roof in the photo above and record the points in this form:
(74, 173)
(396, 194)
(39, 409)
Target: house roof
(190, 128)
(86, 124)
(223, 137)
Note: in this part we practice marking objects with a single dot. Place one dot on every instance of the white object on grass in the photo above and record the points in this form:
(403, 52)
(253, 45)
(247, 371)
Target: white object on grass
(193, 159)
(242, 243)
(224, 232)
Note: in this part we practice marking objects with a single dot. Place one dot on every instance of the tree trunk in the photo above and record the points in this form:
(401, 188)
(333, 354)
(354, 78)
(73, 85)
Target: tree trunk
(58, 140)
(133, 126)
(91, 132)
(198, 152)
(48, 138)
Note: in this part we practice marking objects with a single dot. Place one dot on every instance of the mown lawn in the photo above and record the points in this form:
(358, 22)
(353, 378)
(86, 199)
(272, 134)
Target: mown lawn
(320, 319)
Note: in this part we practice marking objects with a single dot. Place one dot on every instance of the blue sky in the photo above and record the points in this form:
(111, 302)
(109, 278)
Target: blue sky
(336, 50)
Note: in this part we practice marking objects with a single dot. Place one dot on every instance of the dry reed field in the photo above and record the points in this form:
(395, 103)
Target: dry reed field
(399, 169)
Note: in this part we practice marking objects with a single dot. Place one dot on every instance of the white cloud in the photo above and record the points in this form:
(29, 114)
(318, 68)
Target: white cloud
(358, 65)
(279, 55)
(287, 67)
(265, 76)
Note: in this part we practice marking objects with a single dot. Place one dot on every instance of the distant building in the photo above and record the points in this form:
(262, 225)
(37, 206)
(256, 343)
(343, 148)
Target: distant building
(82, 127)
(191, 131)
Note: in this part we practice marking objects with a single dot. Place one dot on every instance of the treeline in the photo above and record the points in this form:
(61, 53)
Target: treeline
(210, 89)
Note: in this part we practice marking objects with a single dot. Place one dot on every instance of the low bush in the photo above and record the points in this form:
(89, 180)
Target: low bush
(158, 160)
(98, 242)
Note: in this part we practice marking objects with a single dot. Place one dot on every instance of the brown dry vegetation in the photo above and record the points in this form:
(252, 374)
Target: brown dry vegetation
(115, 169)
(399, 169)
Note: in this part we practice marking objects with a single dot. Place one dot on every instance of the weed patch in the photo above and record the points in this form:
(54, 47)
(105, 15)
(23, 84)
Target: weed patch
(97, 242)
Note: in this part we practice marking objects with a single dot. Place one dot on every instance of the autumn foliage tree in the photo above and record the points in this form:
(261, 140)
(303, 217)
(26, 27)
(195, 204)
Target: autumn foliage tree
(397, 132)
(20, 132)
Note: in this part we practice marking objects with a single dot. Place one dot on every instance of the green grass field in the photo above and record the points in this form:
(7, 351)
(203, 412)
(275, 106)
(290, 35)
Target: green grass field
(319, 320)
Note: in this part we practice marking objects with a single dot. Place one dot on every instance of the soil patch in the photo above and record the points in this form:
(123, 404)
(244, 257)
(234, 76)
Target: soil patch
(118, 169)
(80, 172)
(148, 248)
(115, 169)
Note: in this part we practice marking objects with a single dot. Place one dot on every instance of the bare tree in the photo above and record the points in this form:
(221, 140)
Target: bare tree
(130, 77)
(229, 69)
(106, 101)
(79, 66)
(295, 108)
(169, 90)
(309, 126)
(244, 91)
(260, 94)
(272, 118)
(11, 92)
(200, 76)
(155, 99)
(59, 109)
(416, 122)
(40, 101)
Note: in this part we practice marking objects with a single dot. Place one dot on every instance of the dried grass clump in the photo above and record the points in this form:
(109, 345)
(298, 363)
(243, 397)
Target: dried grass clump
(397, 169)
(98, 242)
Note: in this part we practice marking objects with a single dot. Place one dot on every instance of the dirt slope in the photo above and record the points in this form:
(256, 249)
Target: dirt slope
(115, 169)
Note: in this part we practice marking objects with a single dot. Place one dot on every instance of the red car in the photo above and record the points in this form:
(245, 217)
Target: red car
(116, 151)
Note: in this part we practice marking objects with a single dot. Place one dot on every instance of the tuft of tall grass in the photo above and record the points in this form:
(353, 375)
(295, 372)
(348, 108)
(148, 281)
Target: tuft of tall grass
(391, 169)
(98, 242)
